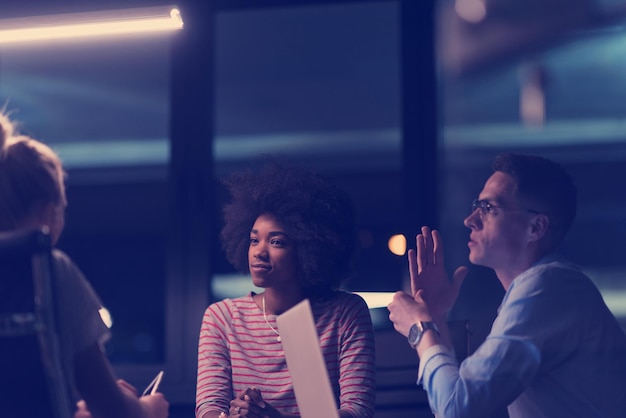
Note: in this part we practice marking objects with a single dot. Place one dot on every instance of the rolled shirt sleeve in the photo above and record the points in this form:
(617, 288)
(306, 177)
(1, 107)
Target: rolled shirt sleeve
(490, 379)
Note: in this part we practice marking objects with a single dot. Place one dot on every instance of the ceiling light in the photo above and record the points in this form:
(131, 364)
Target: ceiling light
(92, 24)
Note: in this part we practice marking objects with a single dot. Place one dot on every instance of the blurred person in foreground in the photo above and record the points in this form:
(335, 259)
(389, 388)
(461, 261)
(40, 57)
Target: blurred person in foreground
(32, 195)
(554, 349)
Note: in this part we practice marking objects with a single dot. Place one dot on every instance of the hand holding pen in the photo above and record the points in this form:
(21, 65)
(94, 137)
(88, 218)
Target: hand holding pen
(153, 404)
(152, 388)
(156, 402)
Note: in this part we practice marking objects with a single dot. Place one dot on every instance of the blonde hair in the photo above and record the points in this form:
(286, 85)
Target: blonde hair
(31, 176)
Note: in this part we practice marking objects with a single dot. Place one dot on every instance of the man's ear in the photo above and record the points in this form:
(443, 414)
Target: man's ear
(538, 227)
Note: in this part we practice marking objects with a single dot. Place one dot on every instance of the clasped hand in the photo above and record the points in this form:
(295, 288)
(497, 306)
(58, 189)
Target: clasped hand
(250, 404)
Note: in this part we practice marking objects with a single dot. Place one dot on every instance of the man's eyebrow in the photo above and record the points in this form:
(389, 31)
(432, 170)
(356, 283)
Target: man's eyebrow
(492, 199)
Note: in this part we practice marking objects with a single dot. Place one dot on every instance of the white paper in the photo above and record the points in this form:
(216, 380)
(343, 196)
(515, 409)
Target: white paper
(305, 362)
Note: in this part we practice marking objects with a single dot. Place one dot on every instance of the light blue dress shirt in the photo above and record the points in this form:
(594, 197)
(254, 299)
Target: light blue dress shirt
(554, 350)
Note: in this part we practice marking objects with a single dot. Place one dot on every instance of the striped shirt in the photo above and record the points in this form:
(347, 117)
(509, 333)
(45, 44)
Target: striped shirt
(238, 349)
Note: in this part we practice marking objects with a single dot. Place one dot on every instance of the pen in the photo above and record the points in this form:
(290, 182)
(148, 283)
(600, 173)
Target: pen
(154, 385)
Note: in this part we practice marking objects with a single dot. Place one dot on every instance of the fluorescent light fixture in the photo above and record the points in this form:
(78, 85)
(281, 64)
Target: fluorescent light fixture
(90, 24)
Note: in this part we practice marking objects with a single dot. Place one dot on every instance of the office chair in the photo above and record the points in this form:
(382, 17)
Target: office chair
(33, 381)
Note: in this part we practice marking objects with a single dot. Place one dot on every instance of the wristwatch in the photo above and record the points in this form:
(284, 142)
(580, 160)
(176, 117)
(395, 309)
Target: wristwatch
(418, 329)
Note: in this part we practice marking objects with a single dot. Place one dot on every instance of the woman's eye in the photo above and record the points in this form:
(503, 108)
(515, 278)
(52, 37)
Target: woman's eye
(253, 240)
(276, 242)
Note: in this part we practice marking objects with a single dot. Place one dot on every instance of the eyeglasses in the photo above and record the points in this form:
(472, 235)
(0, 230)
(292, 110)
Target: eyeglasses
(486, 207)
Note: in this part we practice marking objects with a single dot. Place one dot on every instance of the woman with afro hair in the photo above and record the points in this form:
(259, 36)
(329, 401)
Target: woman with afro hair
(294, 232)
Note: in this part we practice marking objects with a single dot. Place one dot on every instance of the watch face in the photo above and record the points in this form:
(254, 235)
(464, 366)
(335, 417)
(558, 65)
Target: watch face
(414, 335)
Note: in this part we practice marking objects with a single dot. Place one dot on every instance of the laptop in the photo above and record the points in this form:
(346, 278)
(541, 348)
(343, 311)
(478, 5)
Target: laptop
(309, 376)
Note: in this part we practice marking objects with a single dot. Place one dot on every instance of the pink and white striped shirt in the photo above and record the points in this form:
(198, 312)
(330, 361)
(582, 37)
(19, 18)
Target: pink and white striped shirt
(238, 349)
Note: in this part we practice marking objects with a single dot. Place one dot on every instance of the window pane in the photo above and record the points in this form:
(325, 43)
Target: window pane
(319, 85)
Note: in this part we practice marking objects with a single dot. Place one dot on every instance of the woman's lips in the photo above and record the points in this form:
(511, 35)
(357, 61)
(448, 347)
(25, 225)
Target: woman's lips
(260, 267)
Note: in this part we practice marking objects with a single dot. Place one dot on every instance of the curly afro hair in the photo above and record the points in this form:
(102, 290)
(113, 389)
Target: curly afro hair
(314, 212)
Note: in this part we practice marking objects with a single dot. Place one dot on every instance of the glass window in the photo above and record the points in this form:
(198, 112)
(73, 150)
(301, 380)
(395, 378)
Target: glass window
(319, 85)
(98, 103)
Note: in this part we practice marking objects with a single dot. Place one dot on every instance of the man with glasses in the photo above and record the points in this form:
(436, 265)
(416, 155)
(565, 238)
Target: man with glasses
(554, 349)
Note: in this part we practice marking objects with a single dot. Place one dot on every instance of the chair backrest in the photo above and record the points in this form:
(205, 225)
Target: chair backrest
(32, 375)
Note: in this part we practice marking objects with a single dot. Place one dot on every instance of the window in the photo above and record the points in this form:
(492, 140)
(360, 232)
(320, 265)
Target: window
(319, 85)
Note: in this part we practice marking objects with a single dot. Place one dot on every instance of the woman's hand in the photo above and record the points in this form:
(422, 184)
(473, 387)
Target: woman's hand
(152, 406)
(250, 404)
(156, 405)
(81, 410)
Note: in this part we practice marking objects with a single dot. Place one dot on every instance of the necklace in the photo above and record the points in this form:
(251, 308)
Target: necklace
(268, 322)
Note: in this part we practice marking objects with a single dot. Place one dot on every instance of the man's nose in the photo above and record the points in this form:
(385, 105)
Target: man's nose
(473, 220)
